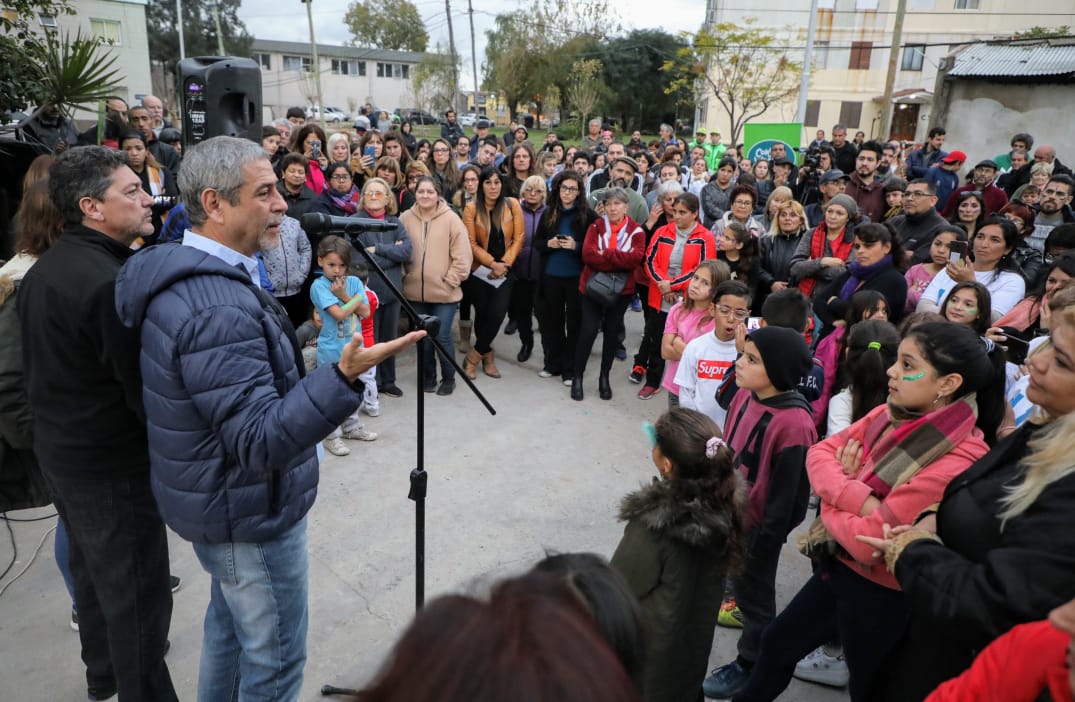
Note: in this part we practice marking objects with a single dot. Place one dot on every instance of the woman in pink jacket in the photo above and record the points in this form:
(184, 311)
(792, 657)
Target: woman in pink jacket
(945, 399)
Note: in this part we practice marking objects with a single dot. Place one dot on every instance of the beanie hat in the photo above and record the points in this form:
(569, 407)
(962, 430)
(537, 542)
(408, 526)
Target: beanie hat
(784, 354)
(848, 203)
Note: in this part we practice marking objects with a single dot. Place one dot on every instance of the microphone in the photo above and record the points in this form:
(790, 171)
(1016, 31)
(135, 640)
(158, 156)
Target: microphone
(318, 223)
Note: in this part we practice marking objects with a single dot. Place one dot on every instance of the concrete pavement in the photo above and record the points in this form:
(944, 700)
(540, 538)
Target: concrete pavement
(545, 474)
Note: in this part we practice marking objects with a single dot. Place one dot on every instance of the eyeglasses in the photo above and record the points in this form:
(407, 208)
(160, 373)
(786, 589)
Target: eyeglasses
(738, 314)
(912, 194)
(341, 176)
(375, 194)
(970, 193)
(568, 189)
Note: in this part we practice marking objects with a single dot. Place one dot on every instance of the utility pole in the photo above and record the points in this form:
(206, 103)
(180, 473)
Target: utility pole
(473, 54)
(453, 54)
(808, 56)
(179, 26)
(219, 33)
(890, 78)
(316, 65)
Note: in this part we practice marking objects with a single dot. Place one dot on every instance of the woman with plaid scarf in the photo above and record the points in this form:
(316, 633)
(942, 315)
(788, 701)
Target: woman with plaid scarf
(945, 400)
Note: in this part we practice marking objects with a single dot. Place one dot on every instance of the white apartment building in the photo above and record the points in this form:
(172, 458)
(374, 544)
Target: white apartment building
(121, 23)
(350, 76)
(852, 47)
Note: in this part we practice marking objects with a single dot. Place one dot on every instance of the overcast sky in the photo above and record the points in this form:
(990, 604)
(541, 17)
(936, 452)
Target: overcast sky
(287, 21)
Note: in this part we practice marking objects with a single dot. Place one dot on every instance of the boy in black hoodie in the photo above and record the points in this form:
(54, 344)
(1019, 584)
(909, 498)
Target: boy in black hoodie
(769, 428)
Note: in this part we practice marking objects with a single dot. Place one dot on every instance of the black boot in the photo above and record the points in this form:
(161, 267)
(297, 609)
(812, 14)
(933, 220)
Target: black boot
(524, 352)
(604, 389)
(576, 388)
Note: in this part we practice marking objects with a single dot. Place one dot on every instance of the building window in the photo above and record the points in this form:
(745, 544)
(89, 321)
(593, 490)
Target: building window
(345, 67)
(861, 52)
(813, 112)
(821, 54)
(297, 63)
(393, 70)
(967, 4)
(866, 4)
(381, 69)
(264, 60)
(912, 57)
(107, 31)
(850, 114)
(48, 21)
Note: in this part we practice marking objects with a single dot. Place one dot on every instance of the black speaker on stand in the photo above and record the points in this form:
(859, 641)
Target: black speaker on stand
(221, 95)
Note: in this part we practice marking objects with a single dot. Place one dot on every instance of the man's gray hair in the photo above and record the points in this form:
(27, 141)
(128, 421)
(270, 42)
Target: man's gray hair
(85, 171)
(665, 127)
(215, 164)
(669, 187)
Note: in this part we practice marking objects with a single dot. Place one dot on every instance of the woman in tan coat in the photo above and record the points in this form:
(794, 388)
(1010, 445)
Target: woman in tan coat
(432, 280)
(494, 224)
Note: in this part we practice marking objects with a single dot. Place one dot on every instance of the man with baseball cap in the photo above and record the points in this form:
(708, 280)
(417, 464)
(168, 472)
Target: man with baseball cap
(982, 181)
(945, 177)
(621, 174)
(832, 182)
(714, 150)
(481, 130)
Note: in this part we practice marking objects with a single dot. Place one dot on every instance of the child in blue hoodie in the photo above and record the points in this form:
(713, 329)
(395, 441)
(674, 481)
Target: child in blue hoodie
(769, 427)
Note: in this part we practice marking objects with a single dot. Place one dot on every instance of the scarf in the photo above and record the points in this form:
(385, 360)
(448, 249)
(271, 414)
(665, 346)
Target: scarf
(840, 249)
(617, 238)
(861, 274)
(347, 202)
(915, 441)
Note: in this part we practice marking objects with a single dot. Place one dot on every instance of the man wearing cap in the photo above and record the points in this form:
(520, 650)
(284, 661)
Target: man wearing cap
(865, 187)
(519, 135)
(714, 150)
(481, 130)
(832, 182)
(604, 145)
(699, 139)
(600, 178)
(450, 130)
(779, 152)
(982, 181)
(920, 221)
(945, 177)
(621, 174)
(921, 160)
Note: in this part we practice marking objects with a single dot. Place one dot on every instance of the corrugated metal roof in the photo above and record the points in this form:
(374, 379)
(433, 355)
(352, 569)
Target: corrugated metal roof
(1042, 59)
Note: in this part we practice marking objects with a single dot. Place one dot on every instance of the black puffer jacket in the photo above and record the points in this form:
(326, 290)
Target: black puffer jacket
(776, 253)
(988, 576)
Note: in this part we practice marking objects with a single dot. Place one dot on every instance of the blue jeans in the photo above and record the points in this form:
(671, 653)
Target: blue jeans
(61, 551)
(255, 626)
(445, 312)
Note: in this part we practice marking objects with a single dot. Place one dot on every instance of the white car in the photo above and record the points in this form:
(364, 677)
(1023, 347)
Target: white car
(333, 115)
(468, 119)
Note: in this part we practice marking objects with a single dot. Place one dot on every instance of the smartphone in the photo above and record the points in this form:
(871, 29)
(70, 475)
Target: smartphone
(957, 251)
(753, 323)
(370, 151)
(315, 149)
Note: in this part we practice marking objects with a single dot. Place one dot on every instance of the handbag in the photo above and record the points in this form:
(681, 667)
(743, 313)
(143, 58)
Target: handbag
(605, 287)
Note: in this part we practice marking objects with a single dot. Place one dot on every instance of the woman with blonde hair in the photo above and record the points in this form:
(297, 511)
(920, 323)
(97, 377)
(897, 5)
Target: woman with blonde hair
(779, 245)
(777, 197)
(999, 551)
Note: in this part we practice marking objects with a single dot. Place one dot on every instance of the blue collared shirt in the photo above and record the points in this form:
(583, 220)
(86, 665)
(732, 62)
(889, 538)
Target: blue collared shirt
(228, 256)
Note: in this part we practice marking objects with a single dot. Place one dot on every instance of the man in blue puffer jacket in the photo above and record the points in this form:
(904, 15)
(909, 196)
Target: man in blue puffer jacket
(233, 423)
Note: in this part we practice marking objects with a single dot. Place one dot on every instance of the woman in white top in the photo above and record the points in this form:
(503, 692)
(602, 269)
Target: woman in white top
(992, 266)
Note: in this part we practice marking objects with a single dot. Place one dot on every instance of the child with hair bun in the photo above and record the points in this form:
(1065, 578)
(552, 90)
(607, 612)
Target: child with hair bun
(684, 534)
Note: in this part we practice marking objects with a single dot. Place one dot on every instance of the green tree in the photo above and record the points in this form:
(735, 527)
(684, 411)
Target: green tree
(199, 30)
(386, 24)
(745, 68)
(585, 89)
(434, 81)
(514, 67)
(1043, 32)
(637, 60)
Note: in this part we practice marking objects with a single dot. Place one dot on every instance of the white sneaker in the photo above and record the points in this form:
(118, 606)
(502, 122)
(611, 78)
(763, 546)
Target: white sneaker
(371, 411)
(567, 382)
(360, 435)
(820, 667)
(544, 373)
(336, 447)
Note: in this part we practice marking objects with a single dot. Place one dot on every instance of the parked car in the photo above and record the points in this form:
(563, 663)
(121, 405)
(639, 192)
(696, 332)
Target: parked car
(417, 116)
(468, 119)
(333, 115)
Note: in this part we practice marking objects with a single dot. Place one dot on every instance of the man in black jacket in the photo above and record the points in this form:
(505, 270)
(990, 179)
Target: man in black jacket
(920, 221)
(85, 391)
(166, 156)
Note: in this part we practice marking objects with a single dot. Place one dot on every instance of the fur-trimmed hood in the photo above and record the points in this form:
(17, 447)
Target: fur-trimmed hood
(678, 509)
(11, 274)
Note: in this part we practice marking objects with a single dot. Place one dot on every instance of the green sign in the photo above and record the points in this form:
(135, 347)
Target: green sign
(758, 139)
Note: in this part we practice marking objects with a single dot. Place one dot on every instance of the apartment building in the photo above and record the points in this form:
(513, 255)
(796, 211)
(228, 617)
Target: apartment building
(350, 76)
(853, 41)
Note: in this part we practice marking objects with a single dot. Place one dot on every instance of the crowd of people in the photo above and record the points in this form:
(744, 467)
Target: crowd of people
(865, 329)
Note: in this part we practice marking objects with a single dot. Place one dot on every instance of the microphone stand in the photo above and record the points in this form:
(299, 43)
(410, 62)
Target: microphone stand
(419, 478)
